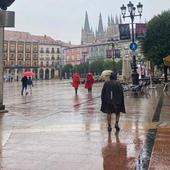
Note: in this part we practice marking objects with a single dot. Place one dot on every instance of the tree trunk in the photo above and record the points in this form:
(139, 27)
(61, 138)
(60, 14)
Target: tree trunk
(165, 73)
(152, 69)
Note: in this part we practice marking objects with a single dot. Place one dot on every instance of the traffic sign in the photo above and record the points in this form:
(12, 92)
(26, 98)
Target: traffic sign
(133, 46)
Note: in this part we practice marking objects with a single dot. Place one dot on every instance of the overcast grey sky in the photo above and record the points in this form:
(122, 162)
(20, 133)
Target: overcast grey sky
(63, 19)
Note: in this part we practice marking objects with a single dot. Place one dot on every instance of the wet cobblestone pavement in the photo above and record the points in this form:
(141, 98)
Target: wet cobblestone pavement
(160, 159)
(53, 129)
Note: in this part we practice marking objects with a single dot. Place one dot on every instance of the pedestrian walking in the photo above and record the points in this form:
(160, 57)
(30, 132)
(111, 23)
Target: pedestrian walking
(30, 85)
(89, 82)
(112, 100)
(24, 85)
(75, 81)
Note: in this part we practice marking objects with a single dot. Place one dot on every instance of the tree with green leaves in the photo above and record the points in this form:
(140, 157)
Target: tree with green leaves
(156, 44)
(96, 67)
(67, 69)
(108, 65)
(118, 66)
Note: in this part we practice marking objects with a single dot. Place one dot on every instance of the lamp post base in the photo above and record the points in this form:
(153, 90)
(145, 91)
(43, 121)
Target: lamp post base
(2, 109)
(135, 78)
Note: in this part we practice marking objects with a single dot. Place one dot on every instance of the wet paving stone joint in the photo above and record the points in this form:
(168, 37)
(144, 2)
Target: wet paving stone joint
(158, 109)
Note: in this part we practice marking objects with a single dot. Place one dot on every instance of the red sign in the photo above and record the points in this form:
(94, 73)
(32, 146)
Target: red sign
(140, 30)
(109, 53)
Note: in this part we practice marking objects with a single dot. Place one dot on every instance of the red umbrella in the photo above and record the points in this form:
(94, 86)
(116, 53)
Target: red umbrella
(28, 74)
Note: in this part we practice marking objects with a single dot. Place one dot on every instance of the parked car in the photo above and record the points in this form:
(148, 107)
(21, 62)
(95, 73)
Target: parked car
(98, 78)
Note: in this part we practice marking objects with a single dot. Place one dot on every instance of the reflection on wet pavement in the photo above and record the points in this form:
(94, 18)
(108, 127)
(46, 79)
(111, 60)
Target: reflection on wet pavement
(115, 154)
(54, 129)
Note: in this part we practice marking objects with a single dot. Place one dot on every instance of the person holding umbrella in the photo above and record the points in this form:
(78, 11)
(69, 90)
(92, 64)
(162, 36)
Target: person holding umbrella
(112, 100)
(89, 82)
(30, 84)
(29, 74)
(25, 81)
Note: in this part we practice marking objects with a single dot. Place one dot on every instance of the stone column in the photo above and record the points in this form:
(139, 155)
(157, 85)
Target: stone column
(2, 107)
(7, 73)
(38, 74)
(15, 74)
(49, 73)
(7, 20)
(44, 74)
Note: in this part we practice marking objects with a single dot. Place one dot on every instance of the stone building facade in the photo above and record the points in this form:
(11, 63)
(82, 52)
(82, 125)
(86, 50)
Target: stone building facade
(50, 55)
(72, 55)
(20, 54)
(23, 51)
(94, 51)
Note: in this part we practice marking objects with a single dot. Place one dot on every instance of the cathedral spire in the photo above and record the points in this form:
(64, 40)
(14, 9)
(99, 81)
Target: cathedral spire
(100, 26)
(109, 21)
(86, 23)
(120, 19)
(116, 20)
(112, 20)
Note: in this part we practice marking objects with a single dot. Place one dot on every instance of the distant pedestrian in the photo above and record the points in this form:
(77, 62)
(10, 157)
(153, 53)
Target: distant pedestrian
(24, 85)
(112, 100)
(75, 81)
(142, 71)
(89, 82)
(30, 84)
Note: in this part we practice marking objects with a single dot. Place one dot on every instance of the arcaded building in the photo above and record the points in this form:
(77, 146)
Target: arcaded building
(23, 51)
(20, 54)
(49, 57)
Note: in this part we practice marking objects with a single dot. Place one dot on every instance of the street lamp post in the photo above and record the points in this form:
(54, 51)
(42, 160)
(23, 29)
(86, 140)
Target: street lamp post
(132, 15)
(7, 19)
(112, 44)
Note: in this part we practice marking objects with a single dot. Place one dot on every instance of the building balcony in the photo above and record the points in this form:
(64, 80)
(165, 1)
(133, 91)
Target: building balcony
(20, 51)
(19, 66)
(12, 50)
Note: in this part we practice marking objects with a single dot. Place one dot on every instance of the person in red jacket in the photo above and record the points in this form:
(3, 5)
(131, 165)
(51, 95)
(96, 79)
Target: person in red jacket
(89, 82)
(76, 81)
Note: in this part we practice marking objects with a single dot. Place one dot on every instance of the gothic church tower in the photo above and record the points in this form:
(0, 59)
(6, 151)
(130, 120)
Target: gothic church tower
(87, 35)
(113, 28)
(100, 33)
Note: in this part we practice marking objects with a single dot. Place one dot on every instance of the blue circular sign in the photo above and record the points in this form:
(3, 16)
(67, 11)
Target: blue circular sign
(133, 46)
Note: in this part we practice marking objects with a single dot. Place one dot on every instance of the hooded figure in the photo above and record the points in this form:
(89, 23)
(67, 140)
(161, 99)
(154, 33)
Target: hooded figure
(112, 100)
(89, 82)
(76, 81)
